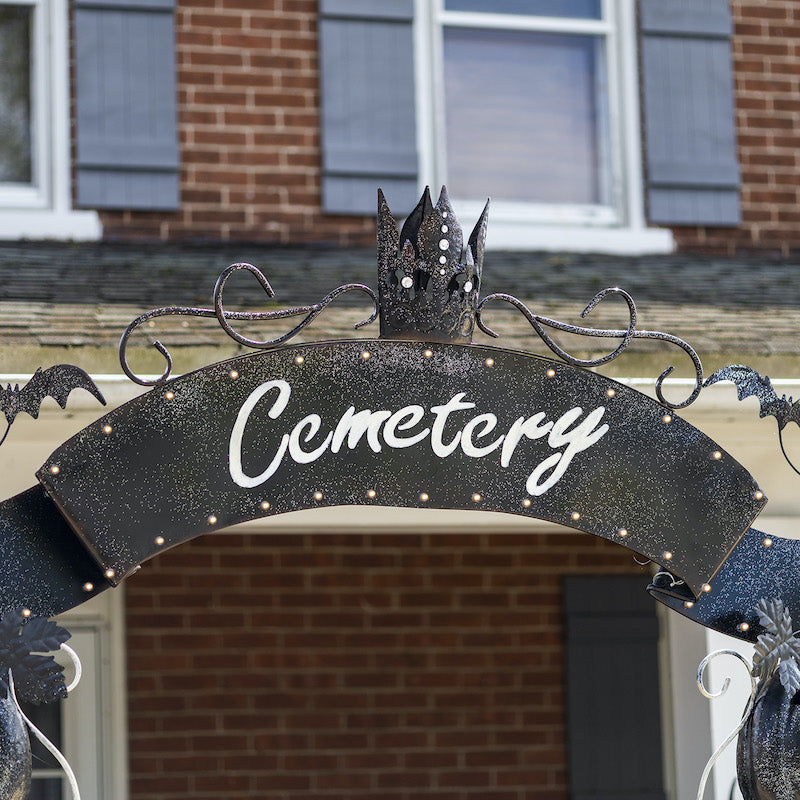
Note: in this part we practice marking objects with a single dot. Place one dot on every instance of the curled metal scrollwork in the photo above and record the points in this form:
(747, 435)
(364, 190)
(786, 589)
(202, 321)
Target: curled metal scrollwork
(224, 317)
(539, 323)
(712, 696)
(673, 581)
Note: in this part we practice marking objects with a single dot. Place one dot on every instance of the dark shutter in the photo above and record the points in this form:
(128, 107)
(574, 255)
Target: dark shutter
(690, 128)
(127, 144)
(368, 112)
(614, 716)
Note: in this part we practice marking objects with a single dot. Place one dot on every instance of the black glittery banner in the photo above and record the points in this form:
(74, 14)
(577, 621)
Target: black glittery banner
(403, 424)
(760, 567)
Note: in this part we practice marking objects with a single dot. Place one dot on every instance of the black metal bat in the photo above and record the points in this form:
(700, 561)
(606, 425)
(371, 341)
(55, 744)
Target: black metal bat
(56, 382)
(748, 383)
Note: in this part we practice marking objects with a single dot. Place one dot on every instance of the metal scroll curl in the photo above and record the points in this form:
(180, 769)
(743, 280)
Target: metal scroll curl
(223, 317)
(310, 312)
(539, 322)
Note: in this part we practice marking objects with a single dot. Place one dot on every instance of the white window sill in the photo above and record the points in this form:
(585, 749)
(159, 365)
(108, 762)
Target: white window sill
(50, 224)
(589, 239)
(563, 228)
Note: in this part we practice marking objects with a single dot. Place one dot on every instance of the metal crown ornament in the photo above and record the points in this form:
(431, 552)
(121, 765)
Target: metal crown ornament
(428, 281)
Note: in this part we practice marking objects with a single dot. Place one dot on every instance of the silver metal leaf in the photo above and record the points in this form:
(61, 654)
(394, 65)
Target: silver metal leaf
(778, 648)
(789, 671)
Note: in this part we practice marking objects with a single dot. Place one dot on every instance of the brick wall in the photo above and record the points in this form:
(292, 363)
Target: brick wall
(354, 666)
(249, 131)
(766, 55)
(248, 110)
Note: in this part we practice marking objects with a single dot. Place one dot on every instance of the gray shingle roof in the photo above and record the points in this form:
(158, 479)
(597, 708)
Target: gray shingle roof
(155, 275)
(65, 295)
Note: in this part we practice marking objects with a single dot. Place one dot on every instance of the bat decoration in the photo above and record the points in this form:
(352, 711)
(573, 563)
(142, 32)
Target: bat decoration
(56, 382)
(750, 383)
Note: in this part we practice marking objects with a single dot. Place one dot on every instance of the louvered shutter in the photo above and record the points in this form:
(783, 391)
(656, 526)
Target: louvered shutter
(368, 97)
(127, 143)
(614, 717)
(690, 129)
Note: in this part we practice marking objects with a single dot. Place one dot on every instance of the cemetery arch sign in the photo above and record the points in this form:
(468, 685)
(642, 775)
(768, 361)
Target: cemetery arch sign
(419, 417)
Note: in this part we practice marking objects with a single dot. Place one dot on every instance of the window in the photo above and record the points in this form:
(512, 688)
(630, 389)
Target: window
(15, 94)
(35, 193)
(534, 103)
(22, 162)
(613, 688)
(89, 726)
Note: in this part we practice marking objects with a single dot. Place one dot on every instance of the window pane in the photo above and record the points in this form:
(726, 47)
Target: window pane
(15, 93)
(45, 789)
(584, 9)
(525, 116)
(47, 718)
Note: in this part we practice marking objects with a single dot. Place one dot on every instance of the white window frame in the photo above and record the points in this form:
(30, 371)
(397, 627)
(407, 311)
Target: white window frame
(34, 194)
(43, 209)
(620, 228)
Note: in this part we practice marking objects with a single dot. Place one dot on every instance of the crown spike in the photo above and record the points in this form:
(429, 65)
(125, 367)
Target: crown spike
(477, 239)
(443, 203)
(449, 228)
(387, 235)
(410, 229)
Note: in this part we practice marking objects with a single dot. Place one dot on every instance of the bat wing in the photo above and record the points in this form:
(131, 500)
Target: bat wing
(794, 413)
(8, 403)
(751, 383)
(56, 382)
